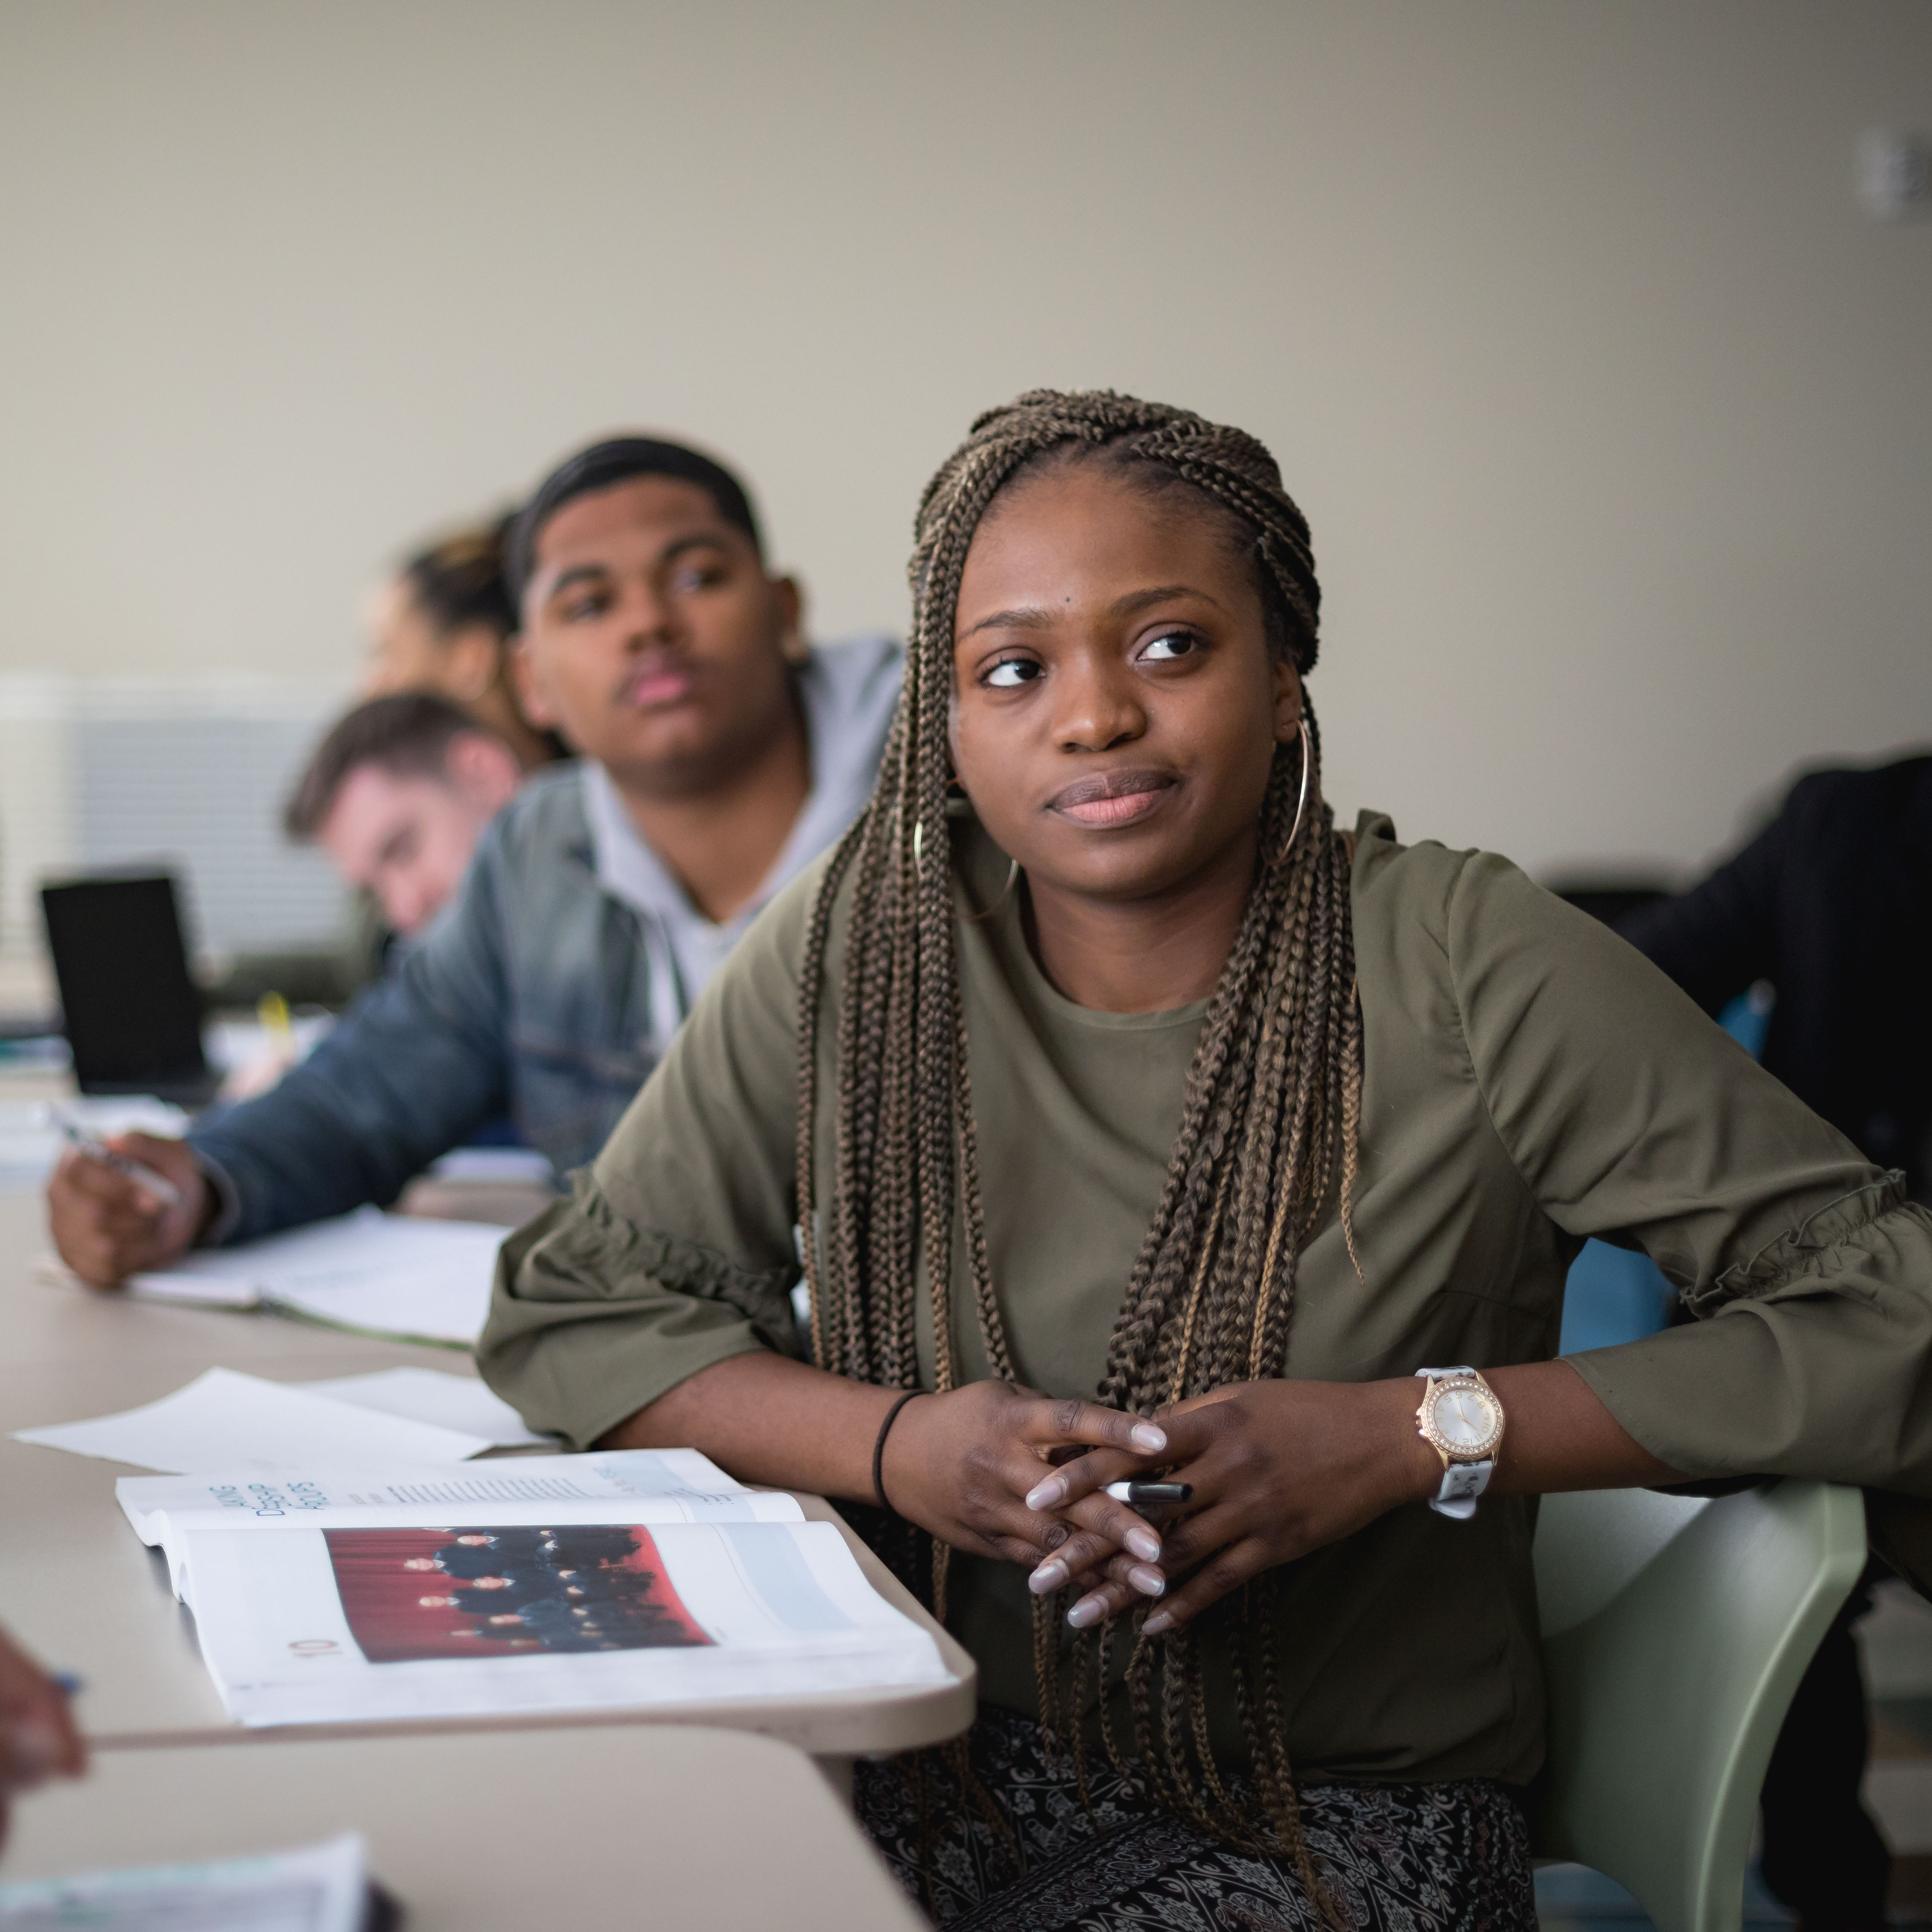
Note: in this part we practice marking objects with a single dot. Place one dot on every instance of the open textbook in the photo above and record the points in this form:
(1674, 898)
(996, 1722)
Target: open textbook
(389, 1275)
(639, 1577)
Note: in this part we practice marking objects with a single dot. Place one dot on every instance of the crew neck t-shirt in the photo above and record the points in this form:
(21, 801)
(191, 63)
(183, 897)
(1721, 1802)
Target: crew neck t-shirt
(1529, 1081)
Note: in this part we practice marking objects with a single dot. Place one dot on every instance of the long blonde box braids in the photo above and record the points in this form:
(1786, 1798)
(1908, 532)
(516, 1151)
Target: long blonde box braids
(1267, 1139)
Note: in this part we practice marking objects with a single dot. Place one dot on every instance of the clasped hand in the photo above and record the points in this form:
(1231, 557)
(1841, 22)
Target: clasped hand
(1277, 1469)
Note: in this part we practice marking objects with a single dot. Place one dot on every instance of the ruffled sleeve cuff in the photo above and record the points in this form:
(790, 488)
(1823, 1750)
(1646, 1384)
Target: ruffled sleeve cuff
(1802, 1254)
(1813, 1357)
(595, 1318)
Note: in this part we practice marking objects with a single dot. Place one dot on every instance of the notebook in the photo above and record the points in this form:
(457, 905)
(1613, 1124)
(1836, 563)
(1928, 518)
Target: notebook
(393, 1276)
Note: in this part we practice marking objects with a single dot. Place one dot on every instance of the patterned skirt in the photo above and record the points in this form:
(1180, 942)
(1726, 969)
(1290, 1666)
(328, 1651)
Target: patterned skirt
(1403, 1858)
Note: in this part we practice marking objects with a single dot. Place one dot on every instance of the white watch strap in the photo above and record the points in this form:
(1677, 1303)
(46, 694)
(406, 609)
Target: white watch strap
(1463, 1483)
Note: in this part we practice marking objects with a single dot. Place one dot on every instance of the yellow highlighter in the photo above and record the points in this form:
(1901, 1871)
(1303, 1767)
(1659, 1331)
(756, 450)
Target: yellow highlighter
(272, 1010)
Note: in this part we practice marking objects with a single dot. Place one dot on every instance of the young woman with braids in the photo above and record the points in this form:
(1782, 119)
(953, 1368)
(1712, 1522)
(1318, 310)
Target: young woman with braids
(1144, 1123)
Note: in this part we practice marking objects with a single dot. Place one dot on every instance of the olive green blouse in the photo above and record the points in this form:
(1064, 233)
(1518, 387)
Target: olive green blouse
(1530, 1081)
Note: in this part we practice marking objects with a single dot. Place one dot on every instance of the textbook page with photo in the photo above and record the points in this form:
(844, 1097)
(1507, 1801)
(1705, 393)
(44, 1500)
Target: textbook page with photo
(638, 1578)
(393, 1276)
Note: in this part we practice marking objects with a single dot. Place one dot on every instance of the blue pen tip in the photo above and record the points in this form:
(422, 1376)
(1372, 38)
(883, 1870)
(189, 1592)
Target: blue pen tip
(66, 1680)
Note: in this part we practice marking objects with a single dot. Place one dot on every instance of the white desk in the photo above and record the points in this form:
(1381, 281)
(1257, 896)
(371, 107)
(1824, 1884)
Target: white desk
(78, 1588)
(646, 1826)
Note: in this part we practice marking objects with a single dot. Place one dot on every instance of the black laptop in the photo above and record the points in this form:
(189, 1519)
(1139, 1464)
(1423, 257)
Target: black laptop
(133, 1013)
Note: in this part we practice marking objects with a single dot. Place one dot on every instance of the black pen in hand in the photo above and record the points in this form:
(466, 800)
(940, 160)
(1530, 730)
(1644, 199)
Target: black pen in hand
(1151, 1493)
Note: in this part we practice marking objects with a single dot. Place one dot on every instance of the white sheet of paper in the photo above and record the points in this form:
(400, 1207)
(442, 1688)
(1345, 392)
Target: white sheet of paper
(386, 1273)
(323, 1888)
(223, 1420)
(460, 1403)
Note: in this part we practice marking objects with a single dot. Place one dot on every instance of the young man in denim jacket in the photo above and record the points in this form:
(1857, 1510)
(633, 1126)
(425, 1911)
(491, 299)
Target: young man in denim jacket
(719, 757)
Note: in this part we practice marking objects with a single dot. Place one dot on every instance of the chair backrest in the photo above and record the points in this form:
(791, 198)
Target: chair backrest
(1674, 1632)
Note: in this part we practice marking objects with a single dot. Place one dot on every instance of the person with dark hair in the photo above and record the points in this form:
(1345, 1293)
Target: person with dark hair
(721, 755)
(582, 1546)
(1127, 1116)
(484, 1595)
(468, 1564)
(398, 793)
(1831, 904)
(445, 623)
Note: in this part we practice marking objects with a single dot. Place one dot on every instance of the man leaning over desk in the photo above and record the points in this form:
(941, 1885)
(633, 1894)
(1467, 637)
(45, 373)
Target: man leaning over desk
(720, 756)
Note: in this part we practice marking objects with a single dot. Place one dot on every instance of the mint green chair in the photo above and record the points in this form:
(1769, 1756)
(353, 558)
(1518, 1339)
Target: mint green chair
(1674, 1631)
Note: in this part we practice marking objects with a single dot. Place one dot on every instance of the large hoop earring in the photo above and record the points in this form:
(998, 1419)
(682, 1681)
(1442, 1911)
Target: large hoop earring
(919, 825)
(1006, 893)
(1281, 857)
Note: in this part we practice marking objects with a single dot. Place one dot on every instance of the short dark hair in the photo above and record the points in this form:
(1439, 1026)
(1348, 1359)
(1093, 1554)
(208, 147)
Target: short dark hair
(408, 735)
(616, 459)
(458, 582)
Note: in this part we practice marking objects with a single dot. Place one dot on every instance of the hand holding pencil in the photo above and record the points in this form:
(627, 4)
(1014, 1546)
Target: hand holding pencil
(131, 1202)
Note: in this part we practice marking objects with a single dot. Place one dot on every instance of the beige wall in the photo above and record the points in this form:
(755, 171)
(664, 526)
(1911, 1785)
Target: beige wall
(1611, 411)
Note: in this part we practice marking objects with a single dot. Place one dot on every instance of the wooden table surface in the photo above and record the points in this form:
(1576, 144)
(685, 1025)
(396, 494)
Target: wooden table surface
(706, 1831)
(79, 1589)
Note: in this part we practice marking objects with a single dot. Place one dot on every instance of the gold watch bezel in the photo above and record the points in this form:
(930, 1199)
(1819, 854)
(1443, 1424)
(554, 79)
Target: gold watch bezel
(1425, 1421)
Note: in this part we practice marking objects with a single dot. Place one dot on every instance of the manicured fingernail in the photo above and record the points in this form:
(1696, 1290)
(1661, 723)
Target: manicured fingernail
(1149, 1582)
(1144, 1435)
(1087, 1611)
(1144, 1544)
(1049, 1494)
(1155, 1624)
(1050, 1576)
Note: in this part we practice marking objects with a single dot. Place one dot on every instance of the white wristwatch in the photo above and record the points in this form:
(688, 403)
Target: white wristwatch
(1462, 1420)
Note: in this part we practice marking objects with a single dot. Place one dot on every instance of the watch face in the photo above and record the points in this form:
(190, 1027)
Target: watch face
(1463, 1419)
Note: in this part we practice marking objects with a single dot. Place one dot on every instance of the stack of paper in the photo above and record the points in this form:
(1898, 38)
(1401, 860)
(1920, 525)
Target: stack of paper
(223, 1419)
(634, 1579)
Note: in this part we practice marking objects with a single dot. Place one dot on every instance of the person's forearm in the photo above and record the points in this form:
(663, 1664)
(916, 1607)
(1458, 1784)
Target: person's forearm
(1558, 1435)
(766, 1419)
(399, 1082)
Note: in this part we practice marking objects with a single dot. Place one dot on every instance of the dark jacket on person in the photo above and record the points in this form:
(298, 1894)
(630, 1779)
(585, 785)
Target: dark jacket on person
(1832, 904)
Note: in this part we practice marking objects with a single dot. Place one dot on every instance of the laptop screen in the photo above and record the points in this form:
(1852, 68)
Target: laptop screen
(133, 1015)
